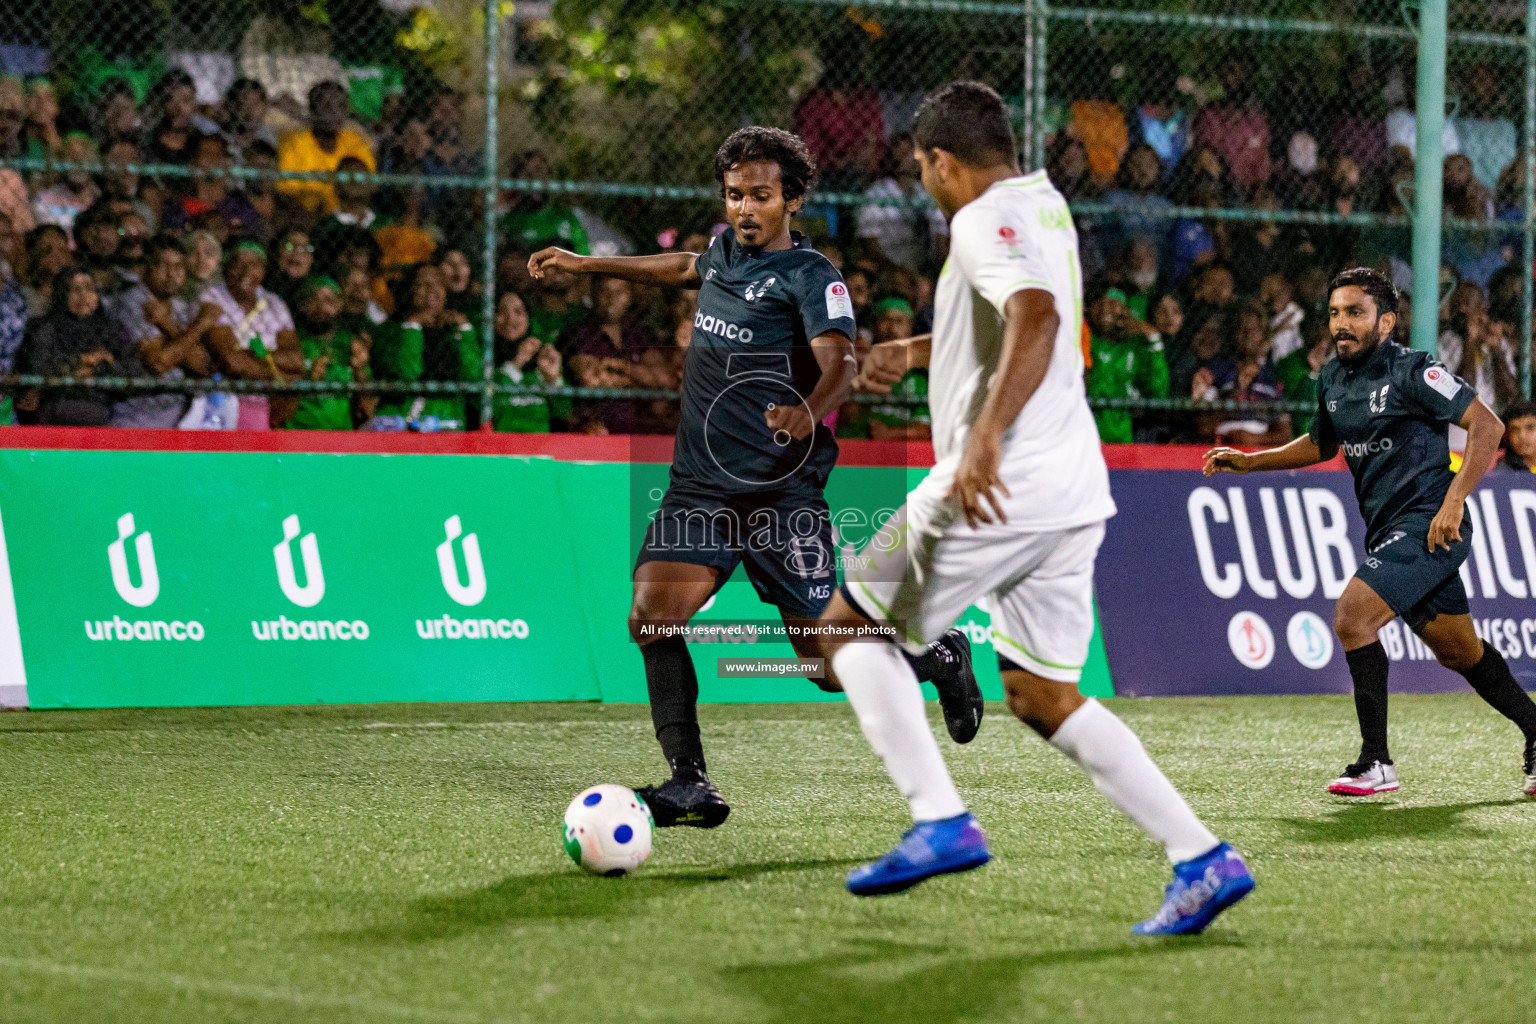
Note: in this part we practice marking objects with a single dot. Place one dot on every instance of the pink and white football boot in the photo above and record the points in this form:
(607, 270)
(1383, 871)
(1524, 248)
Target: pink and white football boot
(1365, 778)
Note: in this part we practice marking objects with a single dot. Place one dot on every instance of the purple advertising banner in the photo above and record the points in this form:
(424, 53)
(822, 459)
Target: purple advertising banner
(1227, 585)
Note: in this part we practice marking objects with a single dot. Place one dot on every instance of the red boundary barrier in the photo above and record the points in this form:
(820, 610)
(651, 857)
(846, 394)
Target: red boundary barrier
(564, 447)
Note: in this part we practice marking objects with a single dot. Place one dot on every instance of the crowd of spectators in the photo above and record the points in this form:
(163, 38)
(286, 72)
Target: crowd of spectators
(1209, 308)
(206, 274)
(197, 272)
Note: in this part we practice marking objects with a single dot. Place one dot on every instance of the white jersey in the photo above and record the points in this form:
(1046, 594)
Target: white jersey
(1017, 235)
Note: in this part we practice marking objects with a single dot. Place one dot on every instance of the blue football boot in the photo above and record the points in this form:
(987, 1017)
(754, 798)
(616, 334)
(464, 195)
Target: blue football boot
(1201, 889)
(929, 848)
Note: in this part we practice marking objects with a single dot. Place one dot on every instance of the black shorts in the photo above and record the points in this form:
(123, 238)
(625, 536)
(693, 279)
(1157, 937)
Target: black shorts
(785, 541)
(1416, 583)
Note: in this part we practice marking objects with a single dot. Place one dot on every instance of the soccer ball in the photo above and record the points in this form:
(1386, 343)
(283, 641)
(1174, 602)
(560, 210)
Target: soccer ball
(608, 830)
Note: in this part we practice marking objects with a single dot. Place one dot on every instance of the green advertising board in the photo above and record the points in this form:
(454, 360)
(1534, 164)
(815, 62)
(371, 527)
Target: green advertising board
(215, 578)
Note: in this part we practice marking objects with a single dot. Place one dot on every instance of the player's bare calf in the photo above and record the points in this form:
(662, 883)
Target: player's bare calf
(1041, 704)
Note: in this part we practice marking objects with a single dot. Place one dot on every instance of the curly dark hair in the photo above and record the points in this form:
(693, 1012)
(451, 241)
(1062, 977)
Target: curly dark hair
(1371, 281)
(797, 167)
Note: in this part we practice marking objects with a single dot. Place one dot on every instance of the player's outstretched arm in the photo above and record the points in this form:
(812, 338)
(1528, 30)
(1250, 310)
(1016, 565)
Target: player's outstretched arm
(1299, 453)
(665, 270)
(886, 363)
(1484, 432)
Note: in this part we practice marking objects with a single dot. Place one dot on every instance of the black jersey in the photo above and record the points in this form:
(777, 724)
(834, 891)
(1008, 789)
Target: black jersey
(750, 350)
(1389, 415)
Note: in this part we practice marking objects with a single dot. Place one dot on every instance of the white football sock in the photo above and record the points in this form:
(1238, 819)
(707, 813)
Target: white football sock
(884, 693)
(1105, 748)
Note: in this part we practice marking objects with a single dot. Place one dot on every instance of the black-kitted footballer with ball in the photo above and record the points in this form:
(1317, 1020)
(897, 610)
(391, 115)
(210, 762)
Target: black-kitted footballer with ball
(771, 357)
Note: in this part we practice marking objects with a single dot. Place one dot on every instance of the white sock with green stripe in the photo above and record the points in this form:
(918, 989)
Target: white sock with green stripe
(885, 695)
(1105, 748)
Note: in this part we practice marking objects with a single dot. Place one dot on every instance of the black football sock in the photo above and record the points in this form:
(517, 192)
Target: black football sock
(673, 686)
(1368, 668)
(1493, 681)
(927, 664)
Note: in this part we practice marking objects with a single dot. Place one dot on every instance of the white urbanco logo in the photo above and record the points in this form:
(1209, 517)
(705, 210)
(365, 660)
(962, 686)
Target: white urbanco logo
(313, 589)
(473, 592)
(143, 595)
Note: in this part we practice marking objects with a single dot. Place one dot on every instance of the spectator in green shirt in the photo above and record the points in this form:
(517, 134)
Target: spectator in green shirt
(331, 353)
(534, 221)
(523, 358)
(1127, 362)
(426, 342)
(359, 313)
(556, 303)
(904, 422)
(899, 421)
(560, 302)
(1298, 371)
(463, 290)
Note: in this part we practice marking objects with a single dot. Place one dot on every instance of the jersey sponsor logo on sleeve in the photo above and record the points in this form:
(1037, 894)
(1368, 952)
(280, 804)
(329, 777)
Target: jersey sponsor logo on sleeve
(1440, 380)
(839, 306)
(1008, 238)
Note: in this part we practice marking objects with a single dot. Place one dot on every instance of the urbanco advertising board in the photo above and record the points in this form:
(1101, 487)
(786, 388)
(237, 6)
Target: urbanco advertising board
(163, 578)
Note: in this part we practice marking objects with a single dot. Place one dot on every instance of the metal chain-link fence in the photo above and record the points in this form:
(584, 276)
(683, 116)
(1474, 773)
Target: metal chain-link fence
(1223, 158)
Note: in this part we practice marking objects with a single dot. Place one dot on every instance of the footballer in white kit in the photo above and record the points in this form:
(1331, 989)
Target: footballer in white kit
(1035, 565)
(1012, 514)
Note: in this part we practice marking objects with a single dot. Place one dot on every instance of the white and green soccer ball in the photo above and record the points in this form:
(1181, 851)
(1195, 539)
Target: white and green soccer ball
(608, 830)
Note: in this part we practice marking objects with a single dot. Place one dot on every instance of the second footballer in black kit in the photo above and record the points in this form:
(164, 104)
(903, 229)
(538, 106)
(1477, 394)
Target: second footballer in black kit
(770, 357)
(1388, 409)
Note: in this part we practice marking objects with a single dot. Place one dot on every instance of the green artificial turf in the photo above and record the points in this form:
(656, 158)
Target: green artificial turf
(403, 863)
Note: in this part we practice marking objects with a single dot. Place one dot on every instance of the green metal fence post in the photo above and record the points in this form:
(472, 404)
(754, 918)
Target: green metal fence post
(1427, 175)
(1528, 200)
(1027, 143)
(1042, 23)
(488, 252)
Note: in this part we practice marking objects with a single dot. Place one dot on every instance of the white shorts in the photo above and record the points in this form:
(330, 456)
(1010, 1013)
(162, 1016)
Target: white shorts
(926, 566)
